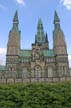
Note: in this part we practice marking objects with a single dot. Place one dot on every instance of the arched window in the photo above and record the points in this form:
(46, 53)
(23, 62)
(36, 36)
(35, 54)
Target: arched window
(38, 71)
(24, 73)
(50, 72)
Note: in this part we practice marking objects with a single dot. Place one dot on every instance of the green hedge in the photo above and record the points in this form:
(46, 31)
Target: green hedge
(39, 95)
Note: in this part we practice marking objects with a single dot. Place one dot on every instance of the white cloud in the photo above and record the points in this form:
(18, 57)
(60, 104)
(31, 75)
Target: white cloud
(2, 56)
(21, 2)
(2, 51)
(66, 3)
(2, 7)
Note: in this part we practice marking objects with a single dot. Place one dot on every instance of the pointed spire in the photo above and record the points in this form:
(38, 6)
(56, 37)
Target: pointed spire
(40, 25)
(35, 39)
(40, 30)
(56, 18)
(39, 22)
(56, 21)
(15, 19)
(40, 37)
(46, 38)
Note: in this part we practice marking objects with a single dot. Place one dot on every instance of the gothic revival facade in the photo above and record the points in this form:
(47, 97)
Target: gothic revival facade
(40, 61)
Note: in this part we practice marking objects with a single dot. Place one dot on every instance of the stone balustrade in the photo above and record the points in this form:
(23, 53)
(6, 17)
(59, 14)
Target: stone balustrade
(35, 80)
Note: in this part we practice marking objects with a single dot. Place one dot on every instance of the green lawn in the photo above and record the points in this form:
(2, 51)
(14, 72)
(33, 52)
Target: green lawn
(57, 95)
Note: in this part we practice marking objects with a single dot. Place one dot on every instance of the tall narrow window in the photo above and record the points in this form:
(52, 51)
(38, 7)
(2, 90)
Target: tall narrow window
(37, 71)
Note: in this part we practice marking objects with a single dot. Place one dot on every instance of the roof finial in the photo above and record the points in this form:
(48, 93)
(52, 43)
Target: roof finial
(46, 37)
(15, 19)
(40, 26)
(56, 18)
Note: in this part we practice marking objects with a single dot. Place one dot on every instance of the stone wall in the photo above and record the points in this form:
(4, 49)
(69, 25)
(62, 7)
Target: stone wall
(35, 80)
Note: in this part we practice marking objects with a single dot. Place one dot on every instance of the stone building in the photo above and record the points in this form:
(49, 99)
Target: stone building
(40, 61)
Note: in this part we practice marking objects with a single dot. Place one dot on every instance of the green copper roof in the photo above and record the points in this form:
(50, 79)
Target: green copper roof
(2, 68)
(56, 23)
(15, 19)
(48, 53)
(40, 37)
(56, 18)
(25, 53)
(40, 25)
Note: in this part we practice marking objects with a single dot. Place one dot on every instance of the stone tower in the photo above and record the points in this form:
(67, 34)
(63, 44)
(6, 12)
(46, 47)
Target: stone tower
(13, 46)
(60, 49)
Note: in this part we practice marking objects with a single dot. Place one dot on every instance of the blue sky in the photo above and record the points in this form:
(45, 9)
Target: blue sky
(29, 11)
